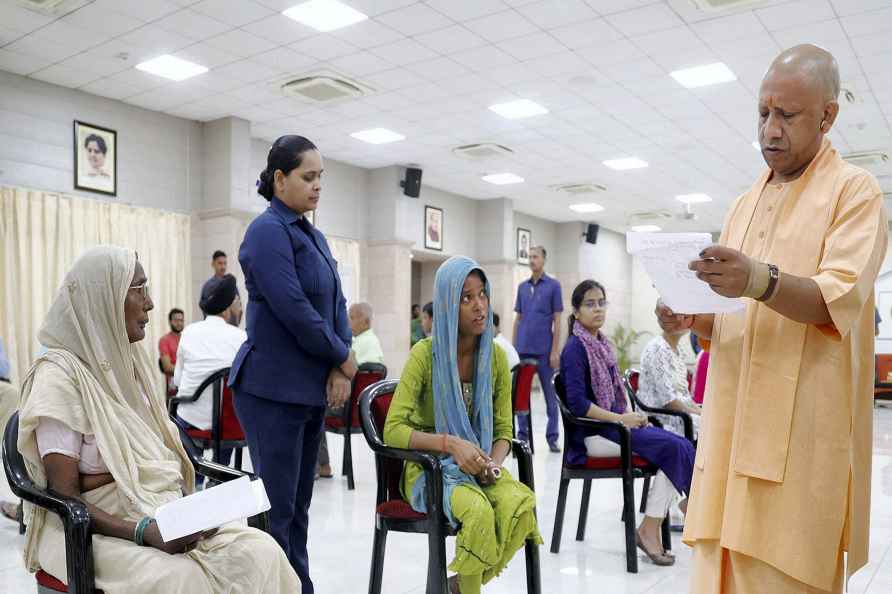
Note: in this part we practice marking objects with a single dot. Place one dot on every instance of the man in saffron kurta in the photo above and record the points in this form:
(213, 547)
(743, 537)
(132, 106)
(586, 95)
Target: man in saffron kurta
(781, 485)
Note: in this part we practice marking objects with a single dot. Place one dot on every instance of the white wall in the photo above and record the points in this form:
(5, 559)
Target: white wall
(459, 221)
(544, 232)
(159, 156)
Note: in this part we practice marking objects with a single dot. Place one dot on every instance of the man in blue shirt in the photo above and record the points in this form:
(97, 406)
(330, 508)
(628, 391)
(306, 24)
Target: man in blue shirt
(537, 335)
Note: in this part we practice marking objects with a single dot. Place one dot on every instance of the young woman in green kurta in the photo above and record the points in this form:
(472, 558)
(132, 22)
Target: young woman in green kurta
(454, 398)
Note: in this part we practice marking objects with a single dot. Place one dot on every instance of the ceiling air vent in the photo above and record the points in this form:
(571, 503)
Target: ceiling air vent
(867, 158)
(484, 150)
(650, 216)
(580, 188)
(719, 5)
(322, 87)
(52, 7)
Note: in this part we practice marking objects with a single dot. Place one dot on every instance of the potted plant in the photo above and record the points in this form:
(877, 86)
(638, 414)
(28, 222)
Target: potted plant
(623, 340)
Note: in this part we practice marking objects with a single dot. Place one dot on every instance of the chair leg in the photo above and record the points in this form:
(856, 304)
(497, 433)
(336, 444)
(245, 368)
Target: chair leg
(559, 516)
(645, 490)
(534, 577)
(583, 509)
(436, 563)
(530, 430)
(630, 528)
(238, 458)
(344, 454)
(666, 534)
(348, 461)
(378, 546)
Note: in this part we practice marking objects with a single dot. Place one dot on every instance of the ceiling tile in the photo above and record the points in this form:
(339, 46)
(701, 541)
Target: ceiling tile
(793, 14)
(140, 9)
(142, 81)
(99, 65)
(674, 40)
(563, 63)
(438, 68)
(404, 51)
(849, 7)
(192, 25)
(168, 96)
(483, 58)
(21, 19)
(391, 80)
(645, 20)
(247, 71)
(870, 45)
(532, 46)
(207, 55)
(512, 73)
(464, 10)
(373, 7)
(415, 19)
(279, 29)
(724, 29)
(549, 14)
(216, 82)
(451, 40)
(367, 34)
(255, 114)
(254, 94)
(234, 12)
(109, 88)
(868, 23)
(63, 33)
(612, 52)
(157, 39)
(101, 20)
(241, 43)
(389, 101)
(20, 63)
(41, 48)
(283, 59)
(323, 47)
(361, 64)
(582, 34)
(501, 26)
(828, 34)
(64, 76)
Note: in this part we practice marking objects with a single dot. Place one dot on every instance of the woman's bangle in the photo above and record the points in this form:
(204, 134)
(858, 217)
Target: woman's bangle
(140, 530)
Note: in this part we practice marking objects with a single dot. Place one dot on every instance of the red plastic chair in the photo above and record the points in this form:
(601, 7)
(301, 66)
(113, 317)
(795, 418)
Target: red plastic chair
(393, 513)
(882, 389)
(225, 431)
(348, 422)
(627, 466)
(521, 394)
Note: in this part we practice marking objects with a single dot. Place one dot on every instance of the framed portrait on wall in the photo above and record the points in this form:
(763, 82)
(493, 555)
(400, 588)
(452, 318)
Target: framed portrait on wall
(524, 243)
(433, 228)
(95, 159)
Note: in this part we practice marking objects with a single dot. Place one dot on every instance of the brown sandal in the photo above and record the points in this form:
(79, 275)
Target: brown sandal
(10, 510)
(660, 559)
(453, 585)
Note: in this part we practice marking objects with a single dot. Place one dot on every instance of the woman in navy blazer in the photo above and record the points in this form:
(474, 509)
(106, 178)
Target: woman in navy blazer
(297, 357)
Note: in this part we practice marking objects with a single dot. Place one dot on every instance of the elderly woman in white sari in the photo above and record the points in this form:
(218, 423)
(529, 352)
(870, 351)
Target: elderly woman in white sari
(93, 427)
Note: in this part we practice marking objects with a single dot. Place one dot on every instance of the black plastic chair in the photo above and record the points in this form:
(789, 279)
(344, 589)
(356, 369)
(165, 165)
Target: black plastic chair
(627, 467)
(226, 431)
(393, 513)
(348, 422)
(522, 376)
(76, 519)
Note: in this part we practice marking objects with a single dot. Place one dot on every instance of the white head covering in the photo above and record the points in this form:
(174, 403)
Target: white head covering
(95, 381)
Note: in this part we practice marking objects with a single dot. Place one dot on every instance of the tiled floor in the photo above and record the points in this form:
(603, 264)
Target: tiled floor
(341, 537)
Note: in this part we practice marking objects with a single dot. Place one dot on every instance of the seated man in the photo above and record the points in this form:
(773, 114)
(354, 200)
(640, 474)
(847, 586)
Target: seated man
(367, 349)
(208, 346)
(664, 381)
(427, 318)
(510, 351)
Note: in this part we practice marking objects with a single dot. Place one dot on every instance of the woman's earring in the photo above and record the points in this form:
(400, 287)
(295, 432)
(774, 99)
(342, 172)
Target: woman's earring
(823, 123)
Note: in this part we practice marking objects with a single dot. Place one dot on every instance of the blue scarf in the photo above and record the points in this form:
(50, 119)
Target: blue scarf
(450, 412)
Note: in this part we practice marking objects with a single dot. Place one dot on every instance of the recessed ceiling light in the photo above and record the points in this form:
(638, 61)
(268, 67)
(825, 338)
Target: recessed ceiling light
(626, 163)
(325, 15)
(515, 110)
(378, 136)
(701, 76)
(502, 179)
(756, 146)
(693, 198)
(586, 207)
(646, 229)
(171, 68)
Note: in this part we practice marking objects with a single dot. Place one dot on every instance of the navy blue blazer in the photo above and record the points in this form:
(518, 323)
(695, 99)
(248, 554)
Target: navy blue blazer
(297, 316)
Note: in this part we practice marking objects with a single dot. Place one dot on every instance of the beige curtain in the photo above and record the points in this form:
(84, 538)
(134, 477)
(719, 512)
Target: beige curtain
(42, 233)
(346, 252)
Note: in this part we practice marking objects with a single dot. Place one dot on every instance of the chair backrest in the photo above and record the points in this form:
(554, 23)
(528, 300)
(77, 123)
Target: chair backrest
(368, 374)
(374, 404)
(884, 368)
(630, 382)
(522, 384)
(224, 417)
(13, 463)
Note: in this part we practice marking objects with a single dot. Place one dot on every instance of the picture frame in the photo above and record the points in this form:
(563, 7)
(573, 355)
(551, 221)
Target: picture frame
(433, 228)
(523, 244)
(95, 159)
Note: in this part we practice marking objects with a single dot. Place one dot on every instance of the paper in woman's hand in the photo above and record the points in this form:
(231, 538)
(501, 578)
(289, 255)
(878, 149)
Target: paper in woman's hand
(665, 257)
(211, 508)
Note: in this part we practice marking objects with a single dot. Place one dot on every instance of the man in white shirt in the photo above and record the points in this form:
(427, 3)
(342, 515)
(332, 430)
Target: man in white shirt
(208, 346)
(513, 357)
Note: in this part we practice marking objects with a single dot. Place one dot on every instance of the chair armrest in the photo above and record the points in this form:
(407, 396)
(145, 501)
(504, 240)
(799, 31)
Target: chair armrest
(625, 436)
(221, 474)
(685, 417)
(427, 460)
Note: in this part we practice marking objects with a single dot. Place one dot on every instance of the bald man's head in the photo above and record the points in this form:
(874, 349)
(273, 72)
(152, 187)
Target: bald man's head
(797, 107)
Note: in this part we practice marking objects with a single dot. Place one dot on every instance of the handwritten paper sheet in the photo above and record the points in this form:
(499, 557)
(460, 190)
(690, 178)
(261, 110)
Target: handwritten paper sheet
(665, 257)
(211, 508)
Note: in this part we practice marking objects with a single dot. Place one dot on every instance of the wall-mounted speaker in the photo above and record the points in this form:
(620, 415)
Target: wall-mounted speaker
(412, 183)
(591, 233)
